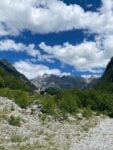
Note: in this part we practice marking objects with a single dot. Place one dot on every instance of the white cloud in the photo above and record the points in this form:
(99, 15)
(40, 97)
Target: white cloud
(4, 30)
(53, 17)
(86, 56)
(10, 45)
(90, 76)
(108, 46)
(45, 16)
(31, 70)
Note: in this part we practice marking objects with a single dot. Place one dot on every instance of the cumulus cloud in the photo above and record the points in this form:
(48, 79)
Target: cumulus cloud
(90, 76)
(31, 50)
(87, 56)
(31, 70)
(11, 45)
(5, 30)
(45, 16)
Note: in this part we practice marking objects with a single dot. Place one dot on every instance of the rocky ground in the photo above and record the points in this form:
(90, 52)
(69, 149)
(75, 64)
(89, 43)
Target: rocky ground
(37, 131)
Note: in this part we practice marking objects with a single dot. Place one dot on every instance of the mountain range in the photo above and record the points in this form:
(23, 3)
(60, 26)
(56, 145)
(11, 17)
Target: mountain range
(11, 78)
(63, 82)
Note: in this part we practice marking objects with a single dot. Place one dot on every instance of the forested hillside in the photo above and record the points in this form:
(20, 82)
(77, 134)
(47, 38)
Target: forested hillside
(11, 78)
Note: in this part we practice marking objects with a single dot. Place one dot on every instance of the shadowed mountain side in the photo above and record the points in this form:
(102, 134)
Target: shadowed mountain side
(11, 78)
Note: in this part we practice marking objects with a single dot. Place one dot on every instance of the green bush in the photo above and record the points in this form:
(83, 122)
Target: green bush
(66, 102)
(52, 91)
(87, 112)
(17, 138)
(14, 121)
(1, 81)
(21, 98)
(88, 100)
(49, 105)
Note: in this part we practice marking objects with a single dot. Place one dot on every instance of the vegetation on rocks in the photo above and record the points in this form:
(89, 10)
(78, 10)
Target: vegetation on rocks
(20, 97)
(14, 121)
(65, 101)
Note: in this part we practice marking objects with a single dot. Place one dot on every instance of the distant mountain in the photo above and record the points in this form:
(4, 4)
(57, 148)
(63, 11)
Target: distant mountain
(65, 82)
(106, 81)
(91, 81)
(11, 78)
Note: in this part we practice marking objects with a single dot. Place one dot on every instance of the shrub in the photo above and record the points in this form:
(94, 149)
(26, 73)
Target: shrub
(1, 82)
(14, 121)
(20, 97)
(67, 103)
(15, 138)
(52, 91)
(48, 104)
(3, 113)
(87, 112)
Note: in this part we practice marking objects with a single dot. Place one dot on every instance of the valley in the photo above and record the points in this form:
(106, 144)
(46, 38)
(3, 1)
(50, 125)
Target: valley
(65, 116)
(56, 74)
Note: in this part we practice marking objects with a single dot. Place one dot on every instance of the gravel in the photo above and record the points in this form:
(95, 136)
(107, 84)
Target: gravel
(49, 134)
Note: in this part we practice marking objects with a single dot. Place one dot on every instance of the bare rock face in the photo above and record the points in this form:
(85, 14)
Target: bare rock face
(67, 82)
(39, 131)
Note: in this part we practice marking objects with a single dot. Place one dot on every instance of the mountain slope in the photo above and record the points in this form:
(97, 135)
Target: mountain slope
(106, 81)
(11, 78)
(65, 82)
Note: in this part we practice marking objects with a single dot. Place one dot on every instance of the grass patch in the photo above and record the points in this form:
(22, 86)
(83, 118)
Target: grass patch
(17, 138)
(15, 121)
(87, 112)
(3, 113)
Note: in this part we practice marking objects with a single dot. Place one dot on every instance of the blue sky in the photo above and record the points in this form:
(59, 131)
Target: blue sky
(70, 37)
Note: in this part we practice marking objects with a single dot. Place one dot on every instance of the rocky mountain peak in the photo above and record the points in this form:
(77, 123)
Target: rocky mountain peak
(65, 82)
